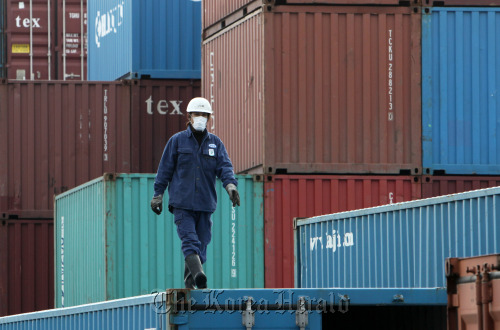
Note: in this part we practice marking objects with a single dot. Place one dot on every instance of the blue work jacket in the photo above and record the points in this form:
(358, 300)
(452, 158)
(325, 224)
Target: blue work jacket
(190, 170)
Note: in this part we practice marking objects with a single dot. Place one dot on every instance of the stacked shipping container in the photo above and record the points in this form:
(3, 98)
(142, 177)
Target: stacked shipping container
(144, 39)
(306, 93)
(57, 135)
(45, 39)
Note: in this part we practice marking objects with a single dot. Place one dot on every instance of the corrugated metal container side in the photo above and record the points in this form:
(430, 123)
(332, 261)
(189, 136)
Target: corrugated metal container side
(158, 111)
(49, 45)
(216, 309)
(110, 245)
(26, 266)
(237, 100)
(139, 39)
(287, 197)
(461, 76)
(298, 91)
(396, 246)
(76, 131)
(3, 41)
(452, 3)
(433, 186)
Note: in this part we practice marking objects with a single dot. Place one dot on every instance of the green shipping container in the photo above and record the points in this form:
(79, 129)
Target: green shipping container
(110, 245)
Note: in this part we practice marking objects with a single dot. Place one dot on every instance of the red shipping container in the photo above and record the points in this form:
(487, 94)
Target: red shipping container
(290, 196)
(318, 89)
(57, 135)
(221, 13)
(433, 186)
(26, 266)
(34, 49)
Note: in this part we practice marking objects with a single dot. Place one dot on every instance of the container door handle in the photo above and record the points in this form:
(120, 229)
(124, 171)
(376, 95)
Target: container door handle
(248, 315)
(301, 315)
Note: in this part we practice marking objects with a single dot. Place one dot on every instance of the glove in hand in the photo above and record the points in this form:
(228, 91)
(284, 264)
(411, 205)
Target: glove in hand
(234, 196)
(157, 204)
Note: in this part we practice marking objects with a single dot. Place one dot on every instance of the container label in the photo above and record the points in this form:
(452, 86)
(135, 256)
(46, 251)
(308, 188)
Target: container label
(333, 241)
(105, 120)
(233, 242)
(62, 261)
(20, 48)
(108, 22)
(390, 114)
(212, 83)
(162, 107)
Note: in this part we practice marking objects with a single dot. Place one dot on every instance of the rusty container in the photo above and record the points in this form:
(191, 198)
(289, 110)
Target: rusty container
(26, 266)
(318, 89)
(290, 196)
(438, 185)
(46, 40)
(473, 286)
(55, 135)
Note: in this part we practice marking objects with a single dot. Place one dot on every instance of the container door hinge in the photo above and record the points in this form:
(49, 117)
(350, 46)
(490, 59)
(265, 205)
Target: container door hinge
(248, 315)
(301, 315)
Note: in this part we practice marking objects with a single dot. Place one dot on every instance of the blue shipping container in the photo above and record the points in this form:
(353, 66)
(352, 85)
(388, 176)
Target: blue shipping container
(460, 90)
(139, 39)
(400, 245)
(221, 309)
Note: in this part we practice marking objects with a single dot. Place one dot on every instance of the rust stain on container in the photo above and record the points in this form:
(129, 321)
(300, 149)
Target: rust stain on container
(26, 266)
(290, 196)
(433, 186)
(319, 89)
(76, 131)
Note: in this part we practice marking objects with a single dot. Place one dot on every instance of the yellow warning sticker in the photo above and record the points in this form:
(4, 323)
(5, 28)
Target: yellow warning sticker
(20, 48)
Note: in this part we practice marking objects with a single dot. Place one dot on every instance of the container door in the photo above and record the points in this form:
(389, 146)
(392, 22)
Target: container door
(30, 27)
(72, 40)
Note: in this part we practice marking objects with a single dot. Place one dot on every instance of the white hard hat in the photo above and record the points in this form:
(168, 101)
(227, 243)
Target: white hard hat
(199, 104)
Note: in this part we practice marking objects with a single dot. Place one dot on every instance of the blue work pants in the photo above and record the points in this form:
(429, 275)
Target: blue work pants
(195, 231)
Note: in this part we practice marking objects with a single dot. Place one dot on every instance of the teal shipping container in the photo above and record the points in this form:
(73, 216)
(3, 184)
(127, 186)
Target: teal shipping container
(110, 245)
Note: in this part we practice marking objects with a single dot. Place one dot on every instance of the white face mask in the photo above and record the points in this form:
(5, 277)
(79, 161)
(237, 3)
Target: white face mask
(199, 123)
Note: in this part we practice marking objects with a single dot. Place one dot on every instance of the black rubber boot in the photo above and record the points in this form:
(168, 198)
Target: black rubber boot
(194, 264)
(188, 279)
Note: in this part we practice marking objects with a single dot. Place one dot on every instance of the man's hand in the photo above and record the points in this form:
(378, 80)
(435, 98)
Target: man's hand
(157, 204)
(234, 196)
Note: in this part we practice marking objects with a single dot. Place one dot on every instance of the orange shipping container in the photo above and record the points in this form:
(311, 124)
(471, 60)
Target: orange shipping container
(318, 89)
(473, 286)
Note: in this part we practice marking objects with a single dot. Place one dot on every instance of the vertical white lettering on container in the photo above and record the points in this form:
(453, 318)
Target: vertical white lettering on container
(212, 84)
(105, 156)
(62, 261)
(391, 197)
(233, 242)
(389, 76)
